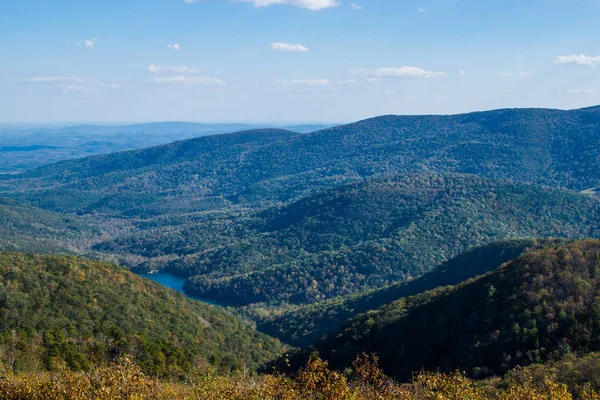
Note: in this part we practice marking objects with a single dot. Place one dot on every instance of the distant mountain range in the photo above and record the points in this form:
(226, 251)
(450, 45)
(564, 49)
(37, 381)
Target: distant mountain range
(550, 147)
(26, 148)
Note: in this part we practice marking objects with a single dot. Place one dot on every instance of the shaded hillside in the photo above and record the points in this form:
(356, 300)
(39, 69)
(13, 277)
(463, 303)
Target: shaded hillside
(541, 306)
(552, 147)
(69, 309)
(302, 325)
(27, 228)
(353, 238)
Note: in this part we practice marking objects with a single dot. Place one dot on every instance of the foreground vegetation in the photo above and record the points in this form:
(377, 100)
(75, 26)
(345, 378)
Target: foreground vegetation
(83, 312)
(364, 381)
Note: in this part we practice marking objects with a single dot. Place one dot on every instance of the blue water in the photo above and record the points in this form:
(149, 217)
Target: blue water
(176, 283)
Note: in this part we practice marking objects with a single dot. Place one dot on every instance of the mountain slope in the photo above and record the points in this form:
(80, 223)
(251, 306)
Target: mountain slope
(80, 311)
(541, 306)
(26, 228)
(188, 169)
(551, 147)
(302, 325)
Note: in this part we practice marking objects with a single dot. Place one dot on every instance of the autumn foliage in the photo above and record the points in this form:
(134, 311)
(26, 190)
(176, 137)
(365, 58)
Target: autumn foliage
(126, 381)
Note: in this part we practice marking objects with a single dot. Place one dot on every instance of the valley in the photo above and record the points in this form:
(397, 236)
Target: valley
(339, 241)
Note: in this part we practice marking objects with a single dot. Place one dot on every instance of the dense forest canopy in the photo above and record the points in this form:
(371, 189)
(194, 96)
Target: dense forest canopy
(304, 324)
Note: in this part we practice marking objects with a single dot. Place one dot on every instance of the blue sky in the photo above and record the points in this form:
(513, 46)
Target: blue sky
(292, 60)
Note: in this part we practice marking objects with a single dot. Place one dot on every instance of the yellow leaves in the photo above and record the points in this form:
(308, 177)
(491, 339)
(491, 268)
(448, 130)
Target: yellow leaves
(315, 381)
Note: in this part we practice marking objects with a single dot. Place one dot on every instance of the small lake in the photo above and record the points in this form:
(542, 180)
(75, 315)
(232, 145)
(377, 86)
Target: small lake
(176, 283)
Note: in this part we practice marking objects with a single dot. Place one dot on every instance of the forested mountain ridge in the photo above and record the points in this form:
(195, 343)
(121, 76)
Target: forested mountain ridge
(355, 237)
(117, 182)
(551, 147)
(82, 312)
(539, 307)
(304, 324)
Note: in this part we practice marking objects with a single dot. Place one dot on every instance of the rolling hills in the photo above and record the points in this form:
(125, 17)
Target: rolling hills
(353, 238)
(539, 307)
(81, 312)
(550, 147)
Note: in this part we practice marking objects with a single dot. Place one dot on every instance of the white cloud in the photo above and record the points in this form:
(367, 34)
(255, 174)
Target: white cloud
(306, 83)
(156, 69)
(397, 72)
(288, 47)
(587, 92)
(71, 83)
(463, 73)
(74, 88)
(188, 80)
(347, 82)
(356, 6)
(313, 5)
(505, 74)
(389, 92)
(581, 59)
(90, 43)
(524, 73)
(174, 46)
(51, 79)
(421, 10)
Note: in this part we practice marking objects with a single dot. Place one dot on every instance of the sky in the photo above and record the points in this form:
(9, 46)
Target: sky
(292, 61)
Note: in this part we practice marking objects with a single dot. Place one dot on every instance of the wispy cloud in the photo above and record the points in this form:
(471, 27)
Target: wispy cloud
(71, 83)
(303, 83)
(463, 73)
(524, 73)
(582, 59)
(156, 69)
(505, 74)
(313, 5)
(90, 43)
(174, 46)
(586, 92)
(421, 10)
(355, 6)
(188, 80)
(320, 83)
(396, 72)
(288, 47)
